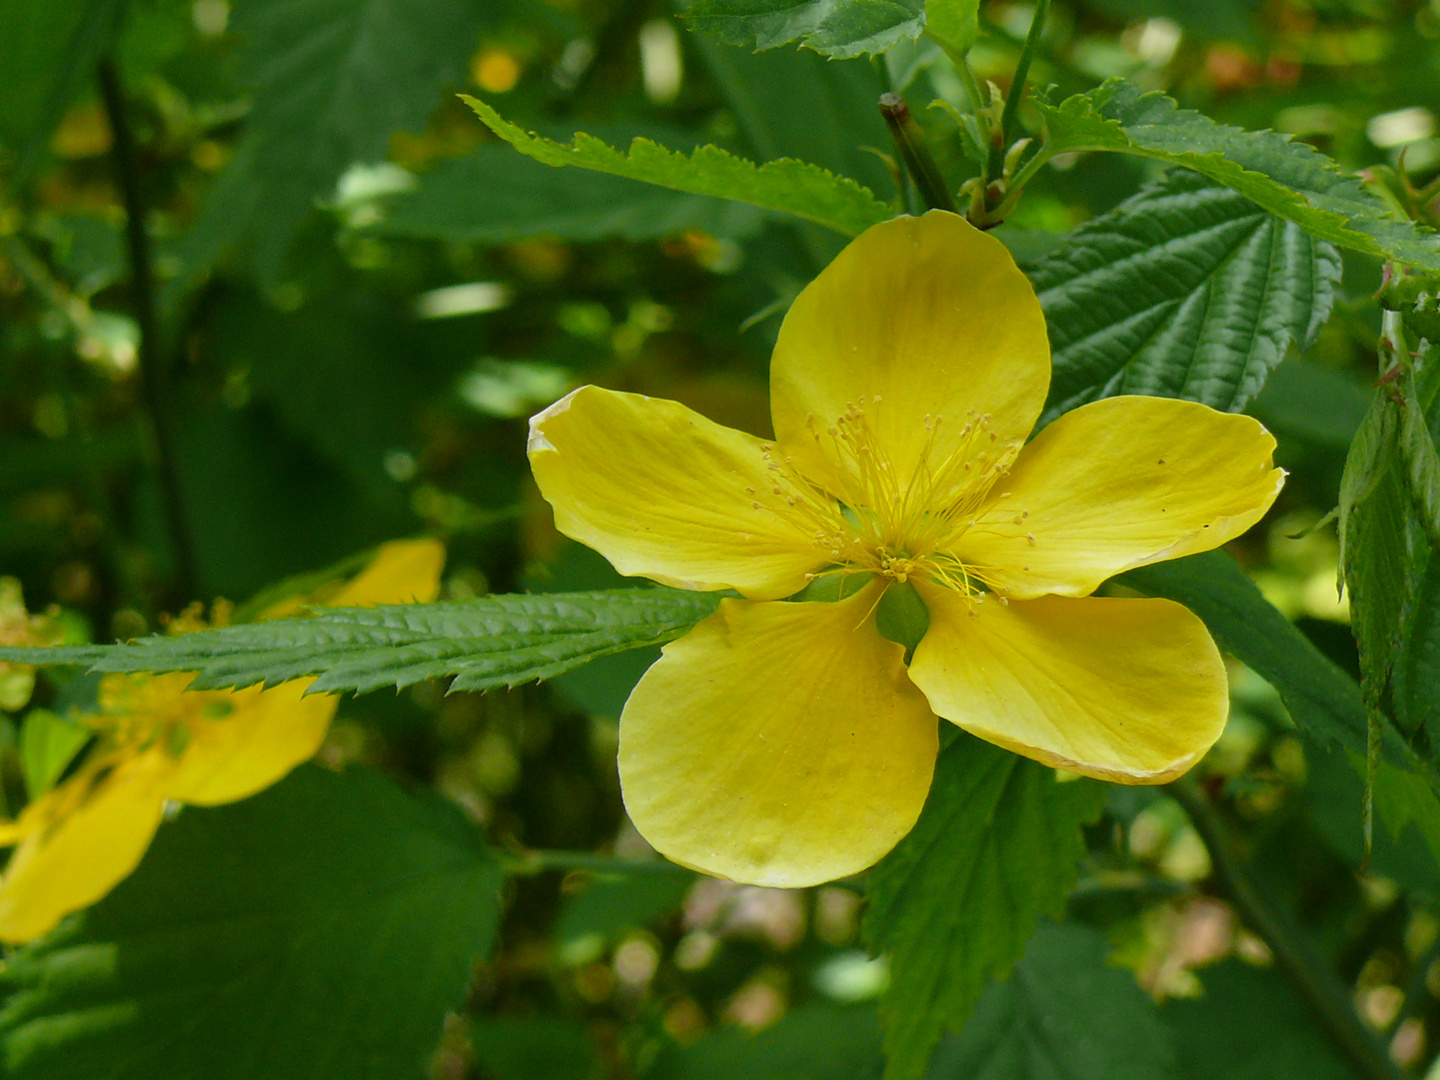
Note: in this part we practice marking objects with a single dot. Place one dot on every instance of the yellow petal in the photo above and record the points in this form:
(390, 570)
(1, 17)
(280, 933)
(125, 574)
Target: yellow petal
(266, 733)
(662, 492)
(1121, 483)
(931, 316)
(402, 572)
(85, 836)
(1132, 691)
(778, 744)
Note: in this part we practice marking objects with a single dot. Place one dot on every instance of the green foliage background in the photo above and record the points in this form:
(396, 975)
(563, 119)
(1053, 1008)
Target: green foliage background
(367, 238)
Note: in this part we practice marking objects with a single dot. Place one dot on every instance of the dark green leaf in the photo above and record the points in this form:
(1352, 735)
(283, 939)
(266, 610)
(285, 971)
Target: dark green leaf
(534, 1048)
(1187, 290)
(1320, 698)
(609, 906)
(1417, 670)
(1312, 403)
(1287, 178)
(794, 187)
(956, 902)
(1249, 1025)
(1063, 1015)
(318, 931)
(834, 28)
(494, 197)
(47, 52)
(333, 81)
(484, 643)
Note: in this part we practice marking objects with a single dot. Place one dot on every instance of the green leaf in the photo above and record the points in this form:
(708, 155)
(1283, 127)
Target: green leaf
(47, 52)
(955, 24)
(494, 197)
(1063, 1015)
(956, 902)
(834, 28)
(1313, 404)
(611, 905)
(1382, 549)
(1287, 178)
(484, 643)
(1249, 1025)
(333, 81)
(793, 187)
(318, 931)
(47, 745)
(1417, 669)
(534, 1048)
(1321, 699)
(817, 1041)
(1187, 290)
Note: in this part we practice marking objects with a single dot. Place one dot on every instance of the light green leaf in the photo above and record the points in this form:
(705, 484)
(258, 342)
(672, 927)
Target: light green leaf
(318, 931)
(494, 197)
(1287, 178)
(1187, 290)
(47, 745)
(1417, 669)
(489, 642)
(956, 902)
(955, 24)
(793, 187)
(835, 28)
(333, 81)
(1320, 698)
(1064, 1014)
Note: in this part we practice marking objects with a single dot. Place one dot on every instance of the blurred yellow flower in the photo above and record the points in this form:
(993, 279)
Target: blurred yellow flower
(19, 627)
(791, 743)
(156, 743)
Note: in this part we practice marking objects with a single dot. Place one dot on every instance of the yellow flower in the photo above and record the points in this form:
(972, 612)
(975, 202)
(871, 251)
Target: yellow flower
(158, 743)
(789, 743)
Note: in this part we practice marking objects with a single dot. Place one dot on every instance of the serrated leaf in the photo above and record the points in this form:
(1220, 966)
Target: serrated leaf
(1287, 178)
(1320, 698)
(1064, 1014)
(1417, 669)
(494, 197)
(333, 80)
(1187, 290)
(484, 643)
(956, 902)
(47, 745)
(792, 187)
(835, 28)
(318, 931)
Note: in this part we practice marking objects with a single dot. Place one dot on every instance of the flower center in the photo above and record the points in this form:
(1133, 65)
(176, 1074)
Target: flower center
(898, 521)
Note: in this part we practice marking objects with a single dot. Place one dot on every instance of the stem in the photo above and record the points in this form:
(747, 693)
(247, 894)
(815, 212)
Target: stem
(153, 375)
(1017, 88)
(535, 862)
(1307, 969)
(910, 141)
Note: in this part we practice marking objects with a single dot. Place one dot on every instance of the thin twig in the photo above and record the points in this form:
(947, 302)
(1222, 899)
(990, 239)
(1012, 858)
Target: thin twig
(153, 370)
(1307, 969)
